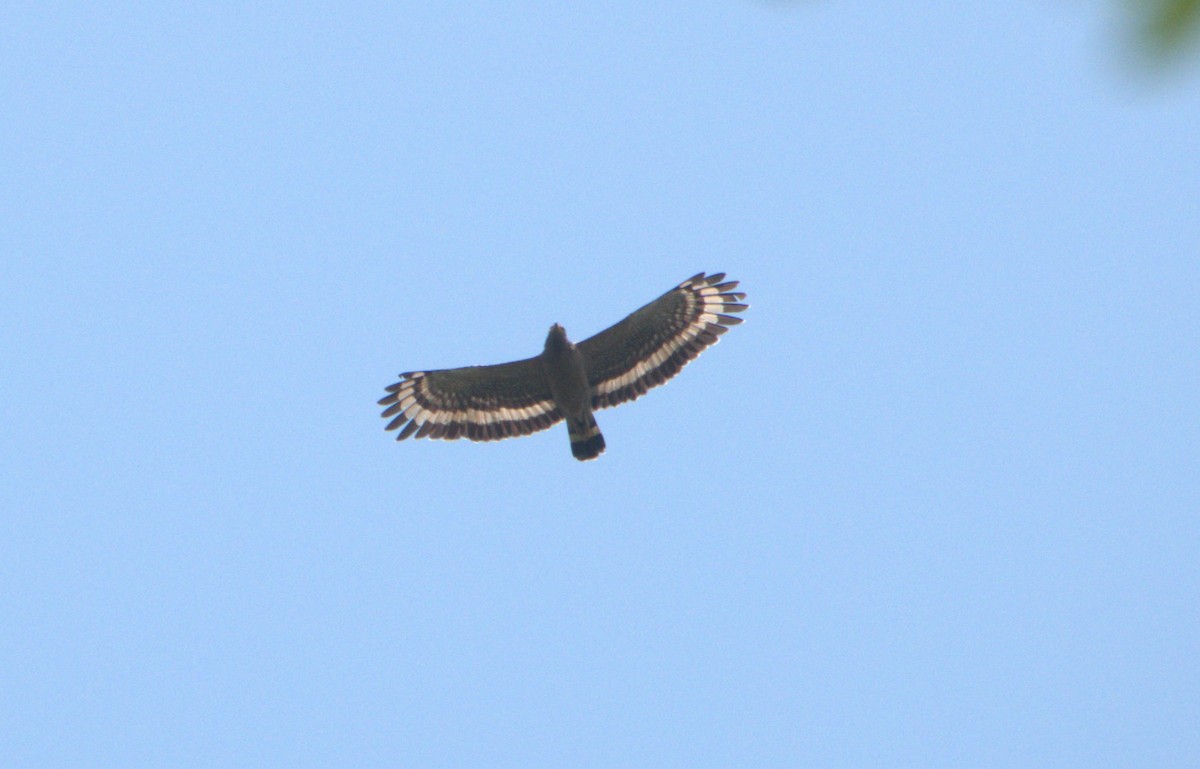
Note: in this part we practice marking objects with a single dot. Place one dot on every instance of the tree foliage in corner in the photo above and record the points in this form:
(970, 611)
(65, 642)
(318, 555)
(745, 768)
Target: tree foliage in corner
(1168, 25)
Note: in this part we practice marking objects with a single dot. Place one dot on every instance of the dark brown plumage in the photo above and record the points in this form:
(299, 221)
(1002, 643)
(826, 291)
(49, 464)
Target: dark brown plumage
(567, 381)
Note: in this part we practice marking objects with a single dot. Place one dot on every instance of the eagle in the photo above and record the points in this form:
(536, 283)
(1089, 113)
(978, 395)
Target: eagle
(568, 381)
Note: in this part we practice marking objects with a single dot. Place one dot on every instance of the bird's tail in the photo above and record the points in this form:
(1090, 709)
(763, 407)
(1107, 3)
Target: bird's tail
(586, 440)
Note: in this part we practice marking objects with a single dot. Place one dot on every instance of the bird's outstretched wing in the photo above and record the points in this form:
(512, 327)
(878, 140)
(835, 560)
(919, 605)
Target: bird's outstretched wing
(654, 343)
(482, 403)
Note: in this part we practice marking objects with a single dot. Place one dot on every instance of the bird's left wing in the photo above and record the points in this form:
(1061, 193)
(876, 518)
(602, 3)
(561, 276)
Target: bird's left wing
(653, 344)
(481, 403)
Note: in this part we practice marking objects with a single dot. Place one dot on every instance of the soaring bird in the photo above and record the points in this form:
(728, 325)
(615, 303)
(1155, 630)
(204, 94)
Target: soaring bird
(567, 380)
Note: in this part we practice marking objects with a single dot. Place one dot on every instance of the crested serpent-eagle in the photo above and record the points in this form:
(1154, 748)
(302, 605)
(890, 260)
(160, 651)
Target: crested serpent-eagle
(567, 381)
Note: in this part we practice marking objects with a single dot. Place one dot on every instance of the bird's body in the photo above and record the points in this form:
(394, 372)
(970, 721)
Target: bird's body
(567, 375)
(567, 381)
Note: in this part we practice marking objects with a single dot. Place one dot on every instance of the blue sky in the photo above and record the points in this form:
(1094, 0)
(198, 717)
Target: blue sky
(933, 504)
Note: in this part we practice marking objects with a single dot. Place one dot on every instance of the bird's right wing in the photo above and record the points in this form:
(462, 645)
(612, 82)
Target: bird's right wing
(481, 403)
(656, 342)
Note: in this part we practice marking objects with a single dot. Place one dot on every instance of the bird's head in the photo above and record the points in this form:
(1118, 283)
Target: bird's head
(557, 338)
